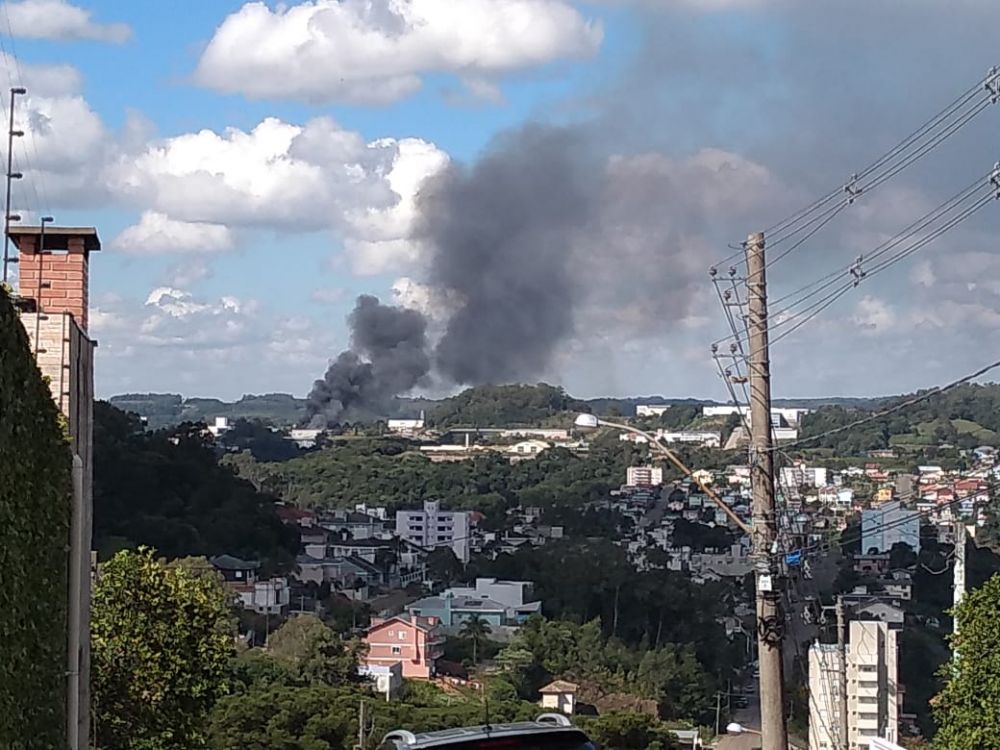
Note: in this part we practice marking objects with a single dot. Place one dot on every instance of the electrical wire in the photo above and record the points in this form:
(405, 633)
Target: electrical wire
(936, 130)
(937, 390)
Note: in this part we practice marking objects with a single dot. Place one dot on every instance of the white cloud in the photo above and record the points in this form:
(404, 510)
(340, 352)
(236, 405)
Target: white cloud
(873, 315)
(60, 21)
(158, 233)
(376, 50)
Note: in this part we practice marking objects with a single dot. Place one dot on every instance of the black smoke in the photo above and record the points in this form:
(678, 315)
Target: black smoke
(388, 356)
(501, 233)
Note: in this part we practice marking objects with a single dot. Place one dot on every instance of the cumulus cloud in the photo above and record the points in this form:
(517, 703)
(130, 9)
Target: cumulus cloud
(158, 233)
(60, 21)
(377, 50)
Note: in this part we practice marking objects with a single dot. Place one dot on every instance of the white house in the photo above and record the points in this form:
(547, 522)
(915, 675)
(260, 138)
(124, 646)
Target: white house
(559, 696)
(527, 448)
(650, 410)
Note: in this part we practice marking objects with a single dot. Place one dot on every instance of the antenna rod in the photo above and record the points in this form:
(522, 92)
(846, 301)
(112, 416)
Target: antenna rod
(10, 176)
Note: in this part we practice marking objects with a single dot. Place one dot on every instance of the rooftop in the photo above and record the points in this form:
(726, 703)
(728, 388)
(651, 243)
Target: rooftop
(228, 562)
(56, 238)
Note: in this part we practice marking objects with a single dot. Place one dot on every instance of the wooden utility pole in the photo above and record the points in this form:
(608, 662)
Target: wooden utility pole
(770, 622)
(842, 676)
(361, 727)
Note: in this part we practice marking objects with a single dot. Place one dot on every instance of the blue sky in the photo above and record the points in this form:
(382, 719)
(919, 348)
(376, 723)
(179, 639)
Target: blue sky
(232, 157)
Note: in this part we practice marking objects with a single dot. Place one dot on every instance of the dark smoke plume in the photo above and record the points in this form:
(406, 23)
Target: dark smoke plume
(388, 356)
(500, 234)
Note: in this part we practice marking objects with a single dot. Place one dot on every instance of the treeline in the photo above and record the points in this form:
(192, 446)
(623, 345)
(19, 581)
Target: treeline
(506, 405)
(166, 489)
(966, 416)
(388, 472)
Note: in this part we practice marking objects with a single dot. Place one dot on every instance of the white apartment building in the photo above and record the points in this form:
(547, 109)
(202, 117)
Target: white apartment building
(779, 414)
(804, 476)
(433, 527)
(873, 695)
(644, 476)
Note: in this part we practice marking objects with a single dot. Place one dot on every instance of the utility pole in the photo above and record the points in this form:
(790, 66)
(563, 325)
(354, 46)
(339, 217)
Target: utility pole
(361, 726)
(842, 669)
(770, 622)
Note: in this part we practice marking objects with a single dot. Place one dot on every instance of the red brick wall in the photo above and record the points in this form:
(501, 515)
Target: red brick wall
(64, 273)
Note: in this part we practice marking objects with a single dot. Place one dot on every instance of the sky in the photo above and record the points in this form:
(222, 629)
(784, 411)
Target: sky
(254, 167)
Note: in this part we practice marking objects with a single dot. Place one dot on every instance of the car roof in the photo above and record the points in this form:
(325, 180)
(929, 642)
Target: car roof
(546, 724)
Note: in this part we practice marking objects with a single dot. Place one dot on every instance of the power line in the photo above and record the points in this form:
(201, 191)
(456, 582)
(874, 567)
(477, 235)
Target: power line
(936, 130)
(898, 407)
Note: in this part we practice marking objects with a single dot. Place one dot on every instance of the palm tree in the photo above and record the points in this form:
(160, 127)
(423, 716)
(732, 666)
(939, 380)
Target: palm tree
(477, 629)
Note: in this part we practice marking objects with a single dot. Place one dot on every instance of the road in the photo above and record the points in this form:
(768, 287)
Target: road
(748, 717)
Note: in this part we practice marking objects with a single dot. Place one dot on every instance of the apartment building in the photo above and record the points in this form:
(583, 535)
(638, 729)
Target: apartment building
(432, 527)
(873, 695)
(887, 524)
(644, 476)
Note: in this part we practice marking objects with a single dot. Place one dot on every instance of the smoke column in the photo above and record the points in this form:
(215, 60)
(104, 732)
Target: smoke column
(388, 356)
(500, 234)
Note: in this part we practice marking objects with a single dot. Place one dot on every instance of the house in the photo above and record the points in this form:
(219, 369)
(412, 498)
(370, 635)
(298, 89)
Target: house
(235, 570)
(559, 696)
(494, 601)
(882, 612)
(406, 426)
(413, 642)
(871, 564)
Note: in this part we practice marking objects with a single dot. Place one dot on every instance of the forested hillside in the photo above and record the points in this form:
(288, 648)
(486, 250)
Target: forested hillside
(165, 489)
(966, 416)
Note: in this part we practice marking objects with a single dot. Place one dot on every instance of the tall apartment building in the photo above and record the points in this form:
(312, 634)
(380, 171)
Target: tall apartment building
(433, 527)
(889, 523)
(873, 695)
(644, 476)
(53, 301)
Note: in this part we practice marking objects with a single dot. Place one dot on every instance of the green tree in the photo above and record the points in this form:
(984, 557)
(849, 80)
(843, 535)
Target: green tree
(477, 630)
(629, 731)
(314, 651)
(162, 640)
(443, 565)
(968, 709)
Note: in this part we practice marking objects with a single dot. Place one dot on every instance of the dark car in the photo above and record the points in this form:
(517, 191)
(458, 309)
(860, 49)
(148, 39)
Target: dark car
(548, 732)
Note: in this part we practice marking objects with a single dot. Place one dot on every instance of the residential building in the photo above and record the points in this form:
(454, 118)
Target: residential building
(889, 524)
(824, 697)
(882, 612)
(53, 299)
(644, 476)
(801, 475)
(235, 570)
(413, 642)
(494, 601)
(432, 527)
(873, 694)
(219, 426)
(261, 596)
(650, 410)
(559, 696)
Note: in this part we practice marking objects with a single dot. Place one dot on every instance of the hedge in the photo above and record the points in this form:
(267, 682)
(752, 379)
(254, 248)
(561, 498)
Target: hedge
(35, 506)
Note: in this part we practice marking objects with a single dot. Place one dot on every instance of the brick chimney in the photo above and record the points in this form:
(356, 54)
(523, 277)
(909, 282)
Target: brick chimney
(57, 277)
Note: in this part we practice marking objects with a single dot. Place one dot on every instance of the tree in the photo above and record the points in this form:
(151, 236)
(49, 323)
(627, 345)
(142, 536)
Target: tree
(629, 731)
(314, 651)
(968, 709)
(476, 629)
(443, 565)
(162, 639)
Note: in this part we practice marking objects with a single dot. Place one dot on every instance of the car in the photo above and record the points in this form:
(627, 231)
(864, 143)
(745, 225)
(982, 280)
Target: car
(740, 702)
(548, 732)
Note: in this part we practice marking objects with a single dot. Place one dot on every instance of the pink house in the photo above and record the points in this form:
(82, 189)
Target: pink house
(415, 642)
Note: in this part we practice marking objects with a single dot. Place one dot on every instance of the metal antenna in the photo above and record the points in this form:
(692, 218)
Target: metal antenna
(11, 175)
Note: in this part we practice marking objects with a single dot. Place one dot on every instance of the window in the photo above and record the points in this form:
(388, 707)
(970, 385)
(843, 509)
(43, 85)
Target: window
(402, 635)
(396, 650)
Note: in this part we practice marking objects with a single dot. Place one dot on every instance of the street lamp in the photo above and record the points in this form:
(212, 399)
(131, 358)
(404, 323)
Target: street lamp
(734, 727)
(585, 422)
